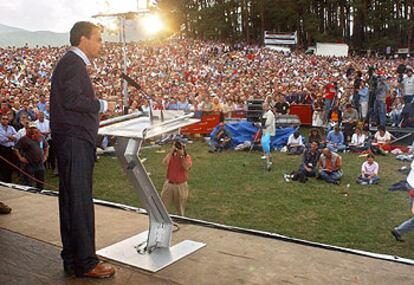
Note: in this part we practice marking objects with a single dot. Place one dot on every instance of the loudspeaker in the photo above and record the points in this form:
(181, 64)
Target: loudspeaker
(254, 110)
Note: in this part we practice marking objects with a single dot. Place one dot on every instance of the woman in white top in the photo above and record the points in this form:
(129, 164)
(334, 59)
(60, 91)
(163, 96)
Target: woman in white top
(382, 139)
(358, 141)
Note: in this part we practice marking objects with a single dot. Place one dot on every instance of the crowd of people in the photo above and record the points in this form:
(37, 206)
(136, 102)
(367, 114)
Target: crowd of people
(194, 75)
(183, 74)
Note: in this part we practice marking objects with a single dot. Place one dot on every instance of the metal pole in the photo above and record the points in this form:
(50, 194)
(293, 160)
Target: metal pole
(125, 60)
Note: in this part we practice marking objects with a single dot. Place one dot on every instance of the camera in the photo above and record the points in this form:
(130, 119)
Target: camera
(178, 145)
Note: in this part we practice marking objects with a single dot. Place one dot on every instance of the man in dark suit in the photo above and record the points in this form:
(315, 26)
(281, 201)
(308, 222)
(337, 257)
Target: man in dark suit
(74, 122)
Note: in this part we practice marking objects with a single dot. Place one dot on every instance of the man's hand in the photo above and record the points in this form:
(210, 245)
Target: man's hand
(24, 160)
(180, 151)
(11, 138)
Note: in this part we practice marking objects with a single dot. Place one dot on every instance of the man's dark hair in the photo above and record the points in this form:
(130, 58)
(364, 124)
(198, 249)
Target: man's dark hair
(81, 29)
(381, 128)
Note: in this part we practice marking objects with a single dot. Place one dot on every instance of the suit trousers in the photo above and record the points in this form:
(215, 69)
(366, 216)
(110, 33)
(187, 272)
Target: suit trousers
(76, 159)
(6, 170)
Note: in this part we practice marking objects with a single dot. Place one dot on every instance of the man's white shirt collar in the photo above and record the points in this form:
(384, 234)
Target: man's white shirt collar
(81, 54)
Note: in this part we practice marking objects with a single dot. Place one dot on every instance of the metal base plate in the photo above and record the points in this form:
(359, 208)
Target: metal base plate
(125, 252)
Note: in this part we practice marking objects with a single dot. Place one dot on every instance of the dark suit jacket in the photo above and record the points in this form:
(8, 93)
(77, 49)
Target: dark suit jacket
(73, 105)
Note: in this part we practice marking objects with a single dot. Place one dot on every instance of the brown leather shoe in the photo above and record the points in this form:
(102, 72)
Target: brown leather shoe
(101, 270)
(4, 209)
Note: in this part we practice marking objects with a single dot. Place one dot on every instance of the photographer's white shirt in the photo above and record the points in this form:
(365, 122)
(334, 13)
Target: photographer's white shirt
(270, 123)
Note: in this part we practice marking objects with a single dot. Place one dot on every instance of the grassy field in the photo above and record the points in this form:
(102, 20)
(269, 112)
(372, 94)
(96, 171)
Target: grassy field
(235, 189)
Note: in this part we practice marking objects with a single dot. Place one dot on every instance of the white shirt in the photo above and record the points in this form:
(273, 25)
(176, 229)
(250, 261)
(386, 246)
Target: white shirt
(293, 140)
(4, 140)
(358, 140)
(382, 140)
(408, 85)
(43, 127)
(270, 125)
(370, 169)
(81, 54)
(21, 133)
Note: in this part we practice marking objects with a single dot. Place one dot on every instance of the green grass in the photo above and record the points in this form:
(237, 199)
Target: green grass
(234, 188)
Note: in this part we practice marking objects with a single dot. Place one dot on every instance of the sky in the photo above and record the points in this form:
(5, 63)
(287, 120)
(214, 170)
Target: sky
(58, 15)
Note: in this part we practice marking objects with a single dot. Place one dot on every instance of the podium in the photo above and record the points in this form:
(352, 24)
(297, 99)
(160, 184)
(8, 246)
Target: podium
(150, 250)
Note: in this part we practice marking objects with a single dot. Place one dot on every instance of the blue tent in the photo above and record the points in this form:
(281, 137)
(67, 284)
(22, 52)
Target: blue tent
(244, 131)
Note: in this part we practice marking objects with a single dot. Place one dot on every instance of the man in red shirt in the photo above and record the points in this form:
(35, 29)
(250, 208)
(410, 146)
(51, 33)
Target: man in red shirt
(175, 188)
(4, 108)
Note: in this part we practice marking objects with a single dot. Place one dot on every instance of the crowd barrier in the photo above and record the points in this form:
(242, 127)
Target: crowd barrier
(209, 120)
(303, 111)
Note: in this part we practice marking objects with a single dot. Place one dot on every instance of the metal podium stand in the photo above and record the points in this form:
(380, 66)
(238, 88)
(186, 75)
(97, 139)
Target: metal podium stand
(150, 250)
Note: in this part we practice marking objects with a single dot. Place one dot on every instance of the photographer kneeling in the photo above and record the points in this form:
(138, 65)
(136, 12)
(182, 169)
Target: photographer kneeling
(175, 188)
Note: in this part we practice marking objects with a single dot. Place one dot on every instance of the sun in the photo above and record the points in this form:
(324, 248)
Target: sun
(152, 23)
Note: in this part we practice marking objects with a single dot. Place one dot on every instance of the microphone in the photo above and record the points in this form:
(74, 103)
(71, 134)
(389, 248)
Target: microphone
(130, 81)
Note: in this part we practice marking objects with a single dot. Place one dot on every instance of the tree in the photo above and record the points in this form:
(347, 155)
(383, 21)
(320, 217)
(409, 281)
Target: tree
(361, 23)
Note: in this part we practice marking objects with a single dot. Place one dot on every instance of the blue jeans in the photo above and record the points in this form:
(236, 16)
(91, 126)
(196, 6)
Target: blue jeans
(327, 108)
(396, 118)
(373, 180)
(330, 177)
(379, 111)
(36, 171)
(408, 225)
(337, 147)
(307, 173)
(296, 150)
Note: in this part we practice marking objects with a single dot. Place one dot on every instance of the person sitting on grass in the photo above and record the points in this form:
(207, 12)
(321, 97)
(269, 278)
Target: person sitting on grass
(330, 167)
(221, 140)
(369, 172)
(335, 140)
(382, 140)
(310, 160)
(295, 143)
(358, 141)
(315, 136)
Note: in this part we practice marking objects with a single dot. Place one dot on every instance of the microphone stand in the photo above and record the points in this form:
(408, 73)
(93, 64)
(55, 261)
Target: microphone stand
(133, 83)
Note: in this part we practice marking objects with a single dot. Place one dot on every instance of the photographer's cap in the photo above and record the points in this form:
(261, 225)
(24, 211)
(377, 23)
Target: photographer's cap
(179, 139)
